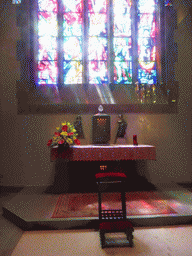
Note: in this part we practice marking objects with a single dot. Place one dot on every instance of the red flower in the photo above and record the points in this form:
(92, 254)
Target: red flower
(57, 134)
(49, 143)
(77, 142)
(64, 128)
(70, 133)
(61, 142)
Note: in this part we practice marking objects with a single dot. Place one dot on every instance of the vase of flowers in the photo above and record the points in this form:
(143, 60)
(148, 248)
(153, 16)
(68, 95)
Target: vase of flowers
(65, 136)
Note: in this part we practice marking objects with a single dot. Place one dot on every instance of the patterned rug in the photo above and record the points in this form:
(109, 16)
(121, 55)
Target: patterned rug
(86, 205)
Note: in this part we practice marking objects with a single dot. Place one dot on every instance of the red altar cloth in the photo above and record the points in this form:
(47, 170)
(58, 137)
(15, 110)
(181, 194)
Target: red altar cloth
(105, 153)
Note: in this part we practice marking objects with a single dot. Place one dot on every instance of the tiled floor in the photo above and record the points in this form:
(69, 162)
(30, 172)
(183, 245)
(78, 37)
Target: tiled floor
(152, 240)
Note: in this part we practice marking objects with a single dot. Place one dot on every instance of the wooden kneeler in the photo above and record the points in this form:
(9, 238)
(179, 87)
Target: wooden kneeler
(113, 221)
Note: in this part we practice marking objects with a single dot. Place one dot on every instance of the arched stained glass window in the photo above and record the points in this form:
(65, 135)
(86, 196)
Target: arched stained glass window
(97, 42)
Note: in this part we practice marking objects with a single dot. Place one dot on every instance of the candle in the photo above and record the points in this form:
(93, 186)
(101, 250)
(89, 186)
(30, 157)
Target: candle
(135, 140)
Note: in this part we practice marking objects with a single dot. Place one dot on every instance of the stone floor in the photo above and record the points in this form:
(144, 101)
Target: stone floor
(34, 206)
(161, 241)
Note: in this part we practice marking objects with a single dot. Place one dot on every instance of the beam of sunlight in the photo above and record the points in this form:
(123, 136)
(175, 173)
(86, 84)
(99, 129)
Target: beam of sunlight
(105, 94)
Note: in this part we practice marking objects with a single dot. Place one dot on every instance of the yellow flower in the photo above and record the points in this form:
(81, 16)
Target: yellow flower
(56, 139)
(73, 130)
(58, 128)
(64, 123)
(69, 141)
(64, 133)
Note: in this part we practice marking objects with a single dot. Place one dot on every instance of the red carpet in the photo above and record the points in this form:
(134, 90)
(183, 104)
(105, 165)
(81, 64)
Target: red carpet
(86, 205)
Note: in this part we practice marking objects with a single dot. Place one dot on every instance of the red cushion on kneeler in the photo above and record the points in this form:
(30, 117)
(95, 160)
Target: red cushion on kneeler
(115, 225)
(110, 174)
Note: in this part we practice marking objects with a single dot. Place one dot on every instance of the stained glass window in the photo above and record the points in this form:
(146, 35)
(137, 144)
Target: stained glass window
(97, 42)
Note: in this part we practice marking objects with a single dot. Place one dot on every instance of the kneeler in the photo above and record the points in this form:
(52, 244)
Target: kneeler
(113, 221)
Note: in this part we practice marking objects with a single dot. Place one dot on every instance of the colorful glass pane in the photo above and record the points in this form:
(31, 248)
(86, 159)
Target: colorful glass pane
(168, 2)
(47, 43)
(122, 48)
(146, 42)
(146, 26)
(72, 44)
(122, 6)
(98, 72)
(72, 72)
(97, 48)
(145, 77)
(122, 25)
(97, 24)
(47, 72)
(47, 24)
(97, 42)
(122, 72)
(72, 24)
(146, 6)
(16, 1)
(97, 6)
(47, 5)
(47, 48)
(73, 5)
(122, 42)
(122, 19)
(72, 48)
(146, 49)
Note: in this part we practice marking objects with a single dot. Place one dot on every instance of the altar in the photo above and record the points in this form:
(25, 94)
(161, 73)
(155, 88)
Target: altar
(105, 153)
(76, 166)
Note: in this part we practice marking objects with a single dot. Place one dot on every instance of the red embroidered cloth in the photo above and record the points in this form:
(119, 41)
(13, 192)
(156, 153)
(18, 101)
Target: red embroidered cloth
(105, 153)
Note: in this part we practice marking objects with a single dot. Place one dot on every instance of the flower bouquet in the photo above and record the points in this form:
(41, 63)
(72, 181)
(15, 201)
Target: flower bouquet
(66, 135)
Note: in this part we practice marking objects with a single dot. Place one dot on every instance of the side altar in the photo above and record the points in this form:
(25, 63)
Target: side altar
(75, 167)
(105, 153)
